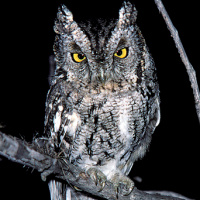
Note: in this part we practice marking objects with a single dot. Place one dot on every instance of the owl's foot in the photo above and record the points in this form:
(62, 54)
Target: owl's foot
(98, 177)
(122, 184)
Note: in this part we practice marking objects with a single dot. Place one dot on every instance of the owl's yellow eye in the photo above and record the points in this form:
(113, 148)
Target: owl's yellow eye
(122, 53)
(78, 57)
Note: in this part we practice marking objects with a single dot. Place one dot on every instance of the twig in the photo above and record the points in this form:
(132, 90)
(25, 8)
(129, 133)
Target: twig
(30, 155)
(190, 70)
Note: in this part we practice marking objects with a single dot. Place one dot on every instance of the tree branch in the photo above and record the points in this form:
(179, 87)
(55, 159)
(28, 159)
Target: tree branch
(190, 70)
(32, 155)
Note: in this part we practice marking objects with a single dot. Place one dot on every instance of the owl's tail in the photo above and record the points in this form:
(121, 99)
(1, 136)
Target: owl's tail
(60, 191)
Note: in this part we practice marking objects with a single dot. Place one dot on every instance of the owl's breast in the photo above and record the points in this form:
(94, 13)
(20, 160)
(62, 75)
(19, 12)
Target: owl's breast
(110, 125)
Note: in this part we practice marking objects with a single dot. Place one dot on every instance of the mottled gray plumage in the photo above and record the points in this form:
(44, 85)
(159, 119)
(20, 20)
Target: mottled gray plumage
(103, 103)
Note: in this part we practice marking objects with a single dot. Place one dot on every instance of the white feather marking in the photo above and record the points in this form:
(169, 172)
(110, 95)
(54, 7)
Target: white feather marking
(109, 169)
(75, 121)
(123, 120)
(123, 124)
(50, 106)
(68, 194)
(60, 108)
(57, 121)
(70, 129)
(158, 113)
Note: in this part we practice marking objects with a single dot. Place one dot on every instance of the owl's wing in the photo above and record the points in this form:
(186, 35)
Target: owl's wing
(61, 121)
(154, 116)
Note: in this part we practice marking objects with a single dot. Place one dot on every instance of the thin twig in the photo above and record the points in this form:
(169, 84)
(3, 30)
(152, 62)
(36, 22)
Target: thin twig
(190, 70)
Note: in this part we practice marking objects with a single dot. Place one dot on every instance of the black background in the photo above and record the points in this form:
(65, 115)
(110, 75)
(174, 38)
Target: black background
(172, 162)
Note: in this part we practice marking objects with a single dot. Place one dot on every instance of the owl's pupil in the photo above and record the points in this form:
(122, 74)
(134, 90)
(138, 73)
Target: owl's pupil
(81, 56)
(119, 53)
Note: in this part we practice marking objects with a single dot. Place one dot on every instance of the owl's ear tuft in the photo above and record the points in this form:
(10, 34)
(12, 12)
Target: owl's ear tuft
(127, 15)
(63, 21)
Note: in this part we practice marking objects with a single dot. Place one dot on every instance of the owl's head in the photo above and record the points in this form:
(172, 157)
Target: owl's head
(100, 52)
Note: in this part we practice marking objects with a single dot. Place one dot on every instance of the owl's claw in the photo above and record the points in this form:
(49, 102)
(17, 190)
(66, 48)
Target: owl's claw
(122, 184)
(98, 177)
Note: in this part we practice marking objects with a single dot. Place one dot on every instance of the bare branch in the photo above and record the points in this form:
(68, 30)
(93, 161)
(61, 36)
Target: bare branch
(190, 70)
(31, 155)
(23, 153)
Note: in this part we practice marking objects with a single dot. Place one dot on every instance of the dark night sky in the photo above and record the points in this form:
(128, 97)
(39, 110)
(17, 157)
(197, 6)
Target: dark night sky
(172, 161)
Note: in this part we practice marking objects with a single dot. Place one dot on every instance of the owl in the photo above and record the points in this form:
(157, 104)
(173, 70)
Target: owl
(103, 103)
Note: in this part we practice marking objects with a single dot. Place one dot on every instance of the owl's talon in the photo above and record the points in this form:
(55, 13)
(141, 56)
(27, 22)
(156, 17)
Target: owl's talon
(122, 184)
(98, 177)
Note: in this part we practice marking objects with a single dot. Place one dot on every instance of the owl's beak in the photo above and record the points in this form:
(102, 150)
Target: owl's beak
(102, 76)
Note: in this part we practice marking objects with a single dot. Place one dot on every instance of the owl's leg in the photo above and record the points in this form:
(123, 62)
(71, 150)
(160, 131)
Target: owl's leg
(98, 177)
(122, 184)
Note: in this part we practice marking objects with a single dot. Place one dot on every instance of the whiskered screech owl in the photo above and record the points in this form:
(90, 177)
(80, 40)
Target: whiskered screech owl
(103, 104)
